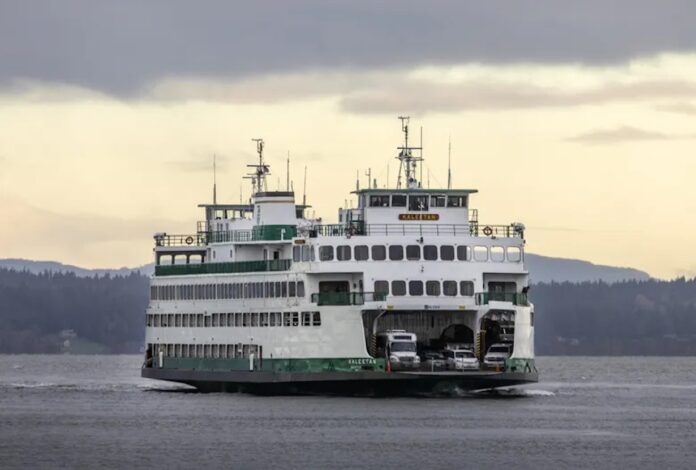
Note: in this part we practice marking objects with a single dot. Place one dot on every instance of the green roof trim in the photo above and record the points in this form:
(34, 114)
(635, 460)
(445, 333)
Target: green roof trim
(418, 190)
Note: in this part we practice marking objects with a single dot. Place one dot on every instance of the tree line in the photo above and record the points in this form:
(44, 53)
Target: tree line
(52, 312)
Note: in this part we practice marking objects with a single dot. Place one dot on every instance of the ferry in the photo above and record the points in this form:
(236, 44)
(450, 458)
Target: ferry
(265, 299)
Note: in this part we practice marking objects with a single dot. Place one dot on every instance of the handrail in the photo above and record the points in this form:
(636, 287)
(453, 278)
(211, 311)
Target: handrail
(218, 268)
(347, 298)
(516, 298)
(164, 239)
(471, 229)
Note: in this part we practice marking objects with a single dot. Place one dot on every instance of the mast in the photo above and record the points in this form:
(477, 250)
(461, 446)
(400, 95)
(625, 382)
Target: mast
(449, 163)
(408, 162)
(214, 179)
(261, 170)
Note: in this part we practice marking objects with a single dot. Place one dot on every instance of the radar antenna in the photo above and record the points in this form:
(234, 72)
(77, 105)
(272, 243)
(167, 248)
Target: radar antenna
(408, 162)
(261, 170)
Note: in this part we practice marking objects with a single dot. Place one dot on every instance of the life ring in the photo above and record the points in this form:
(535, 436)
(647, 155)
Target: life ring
(189, 240)
(487, 231)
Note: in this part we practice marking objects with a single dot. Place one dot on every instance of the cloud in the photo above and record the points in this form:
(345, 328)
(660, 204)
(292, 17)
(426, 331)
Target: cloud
(679, 108)
(121, 47)
(625, 134)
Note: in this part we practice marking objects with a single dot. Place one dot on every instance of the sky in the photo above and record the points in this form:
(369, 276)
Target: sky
(576, 118)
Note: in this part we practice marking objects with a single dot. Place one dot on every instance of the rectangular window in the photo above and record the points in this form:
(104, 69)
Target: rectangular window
(300, 289)
(415, 287)
(343, 252)
(480, 253)
(430, 252)
(326, 253)
(216, 319)
(396, 252)
(208, 320)
(292, 289)
(398, 200)
(449, 288)
(432, 287)
(497, 254)
(438, 201)
(413, 252)
(287, 320)
(361, 253)
(514, 254)
(246, 321)
(463, 253)
(316, 319)
(381, 287)
(296, 253)
(238, 319)
(466, 288)
(284, 289)
(418, 203)
(456, 201)
(307, 253)
(379, 253)
(306, 318)
(447, 253)
(379, 201)
(263, 319)
(398, 287)
(295, 318)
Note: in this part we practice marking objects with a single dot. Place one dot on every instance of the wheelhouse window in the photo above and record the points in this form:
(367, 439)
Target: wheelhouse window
(514, 254)
(413, 252)
(447, 253)
(463, 253)
(326, 253)
(432, 288)
(398, 287)
(449, 288)
(379, 201)
(343, 252)
(379, 253)
(438, 201)
(398, 200)
(480, 253)
(415, 288)
(418, 203)
(497, 253)
(456, 201)
(361, 253)
(430, 252)
(396, 252)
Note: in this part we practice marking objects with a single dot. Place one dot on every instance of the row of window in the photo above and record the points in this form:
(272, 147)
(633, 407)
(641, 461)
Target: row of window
(416, 202)
(206, 351)
(235, 290)
(237, 319)
(413, 253)
(431, 288)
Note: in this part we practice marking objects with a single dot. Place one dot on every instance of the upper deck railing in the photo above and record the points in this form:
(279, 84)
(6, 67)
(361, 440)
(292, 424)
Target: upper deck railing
(471, 229)
(192, 240)
(224, 268)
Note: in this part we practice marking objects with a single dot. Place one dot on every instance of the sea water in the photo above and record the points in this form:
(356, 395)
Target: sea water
(586, 412)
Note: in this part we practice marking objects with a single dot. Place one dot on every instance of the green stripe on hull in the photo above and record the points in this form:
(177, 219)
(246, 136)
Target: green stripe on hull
(352, 364)
(520, 365)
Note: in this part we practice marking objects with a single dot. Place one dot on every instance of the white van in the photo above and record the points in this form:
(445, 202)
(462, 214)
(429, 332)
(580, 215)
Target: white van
(399, 347)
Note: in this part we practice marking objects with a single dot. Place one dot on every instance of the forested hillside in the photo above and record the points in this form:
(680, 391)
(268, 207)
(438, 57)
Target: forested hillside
(60, 312)
(37, 312)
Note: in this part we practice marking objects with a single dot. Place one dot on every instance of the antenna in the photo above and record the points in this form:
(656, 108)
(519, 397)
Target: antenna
(258, 176)
(449, 163)
(357, 180)
(304, 190)
(408, 162)
(421, 167)
(214, 179)
(368, 173)
(287, 174)
(387, 176)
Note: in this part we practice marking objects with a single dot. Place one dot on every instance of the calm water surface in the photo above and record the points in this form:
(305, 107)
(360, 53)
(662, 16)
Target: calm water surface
(89, 411)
